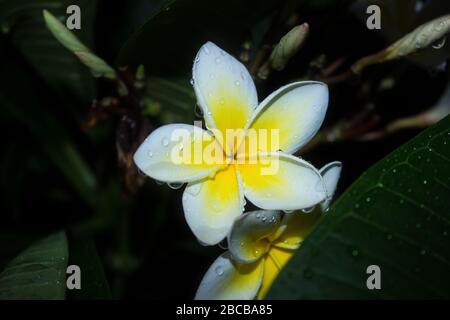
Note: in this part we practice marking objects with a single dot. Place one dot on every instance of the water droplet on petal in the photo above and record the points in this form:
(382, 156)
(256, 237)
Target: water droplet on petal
(217, 60)
(237, 83)
(308, 210)
(165, 142)
(150, 153)
(219, 270)
(175, 185)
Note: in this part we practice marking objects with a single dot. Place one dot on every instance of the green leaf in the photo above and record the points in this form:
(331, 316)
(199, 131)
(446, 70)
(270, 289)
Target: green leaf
(38, 272)
(170, 38)
(396, 216)
(93, 280)
(23, 23)
(98, 66)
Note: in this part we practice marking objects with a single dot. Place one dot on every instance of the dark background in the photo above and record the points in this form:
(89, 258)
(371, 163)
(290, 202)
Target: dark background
(57, 172)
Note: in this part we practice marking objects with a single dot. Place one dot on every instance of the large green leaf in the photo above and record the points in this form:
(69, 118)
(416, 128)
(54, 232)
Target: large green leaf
(22, 21)
(38, 272)
(396, 216)
(169, 40)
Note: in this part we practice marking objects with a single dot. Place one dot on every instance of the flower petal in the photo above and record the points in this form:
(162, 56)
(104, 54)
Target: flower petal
(161, 155)
(225, 90)
(249, 238)
(297, 110)
(296, 227)
(279, 181)
(228, 280)
(275, 260)
(211, 205)
(330, 173)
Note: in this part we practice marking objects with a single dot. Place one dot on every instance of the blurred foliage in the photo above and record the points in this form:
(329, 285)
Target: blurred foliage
(65, 162)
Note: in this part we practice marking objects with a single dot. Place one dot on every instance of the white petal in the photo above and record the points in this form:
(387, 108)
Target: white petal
(297, 110)
(330, 173)
(211, 205)
(280, 181)
(159, 155)
(250, 237)
(225, 90)
(228, 280)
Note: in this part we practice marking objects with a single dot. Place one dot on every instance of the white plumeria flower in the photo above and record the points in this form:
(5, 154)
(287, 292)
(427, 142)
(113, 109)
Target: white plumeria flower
(260, 245)
(214, 196)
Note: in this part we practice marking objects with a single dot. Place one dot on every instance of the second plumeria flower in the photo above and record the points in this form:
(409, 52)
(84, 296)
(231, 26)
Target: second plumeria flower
(221, 170)
(260, 244)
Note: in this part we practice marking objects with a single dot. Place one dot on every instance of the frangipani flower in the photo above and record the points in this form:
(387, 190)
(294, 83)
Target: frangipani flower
(260, 244)
(254, 162)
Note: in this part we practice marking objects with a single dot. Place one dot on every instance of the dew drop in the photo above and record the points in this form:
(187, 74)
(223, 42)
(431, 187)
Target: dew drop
(150, 153)
(308, 210)
(237, 83)
(223, 245)
(165, 142)
(217, 60)
(219, 270)
(192, 81)
(424, 181)
(175, 185)
(368, 199)
(439, 44)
